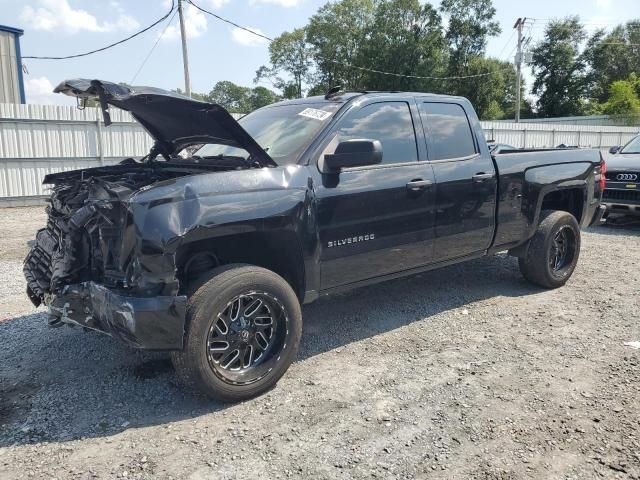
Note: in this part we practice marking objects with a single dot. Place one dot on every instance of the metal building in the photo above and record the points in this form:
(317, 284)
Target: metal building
(11, 81)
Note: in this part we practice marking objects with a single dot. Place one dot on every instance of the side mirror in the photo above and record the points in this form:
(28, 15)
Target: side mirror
(614, 149)
(354, 153)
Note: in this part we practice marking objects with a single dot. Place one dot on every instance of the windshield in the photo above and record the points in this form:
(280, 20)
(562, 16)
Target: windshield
(282, 131)
(633, 146)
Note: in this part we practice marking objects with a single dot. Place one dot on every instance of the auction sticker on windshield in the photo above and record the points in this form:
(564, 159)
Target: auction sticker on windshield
(314, 113)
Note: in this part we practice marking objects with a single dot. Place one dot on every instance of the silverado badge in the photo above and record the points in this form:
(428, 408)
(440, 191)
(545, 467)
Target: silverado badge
(349, 240)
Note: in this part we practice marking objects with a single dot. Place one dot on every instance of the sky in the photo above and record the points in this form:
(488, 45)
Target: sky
(217, 51)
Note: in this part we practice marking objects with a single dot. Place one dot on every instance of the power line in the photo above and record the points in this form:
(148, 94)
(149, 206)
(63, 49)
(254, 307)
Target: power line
(566, 28)
(110, 45)
(632, 24)
(558, 25)
(550, 22)
(164, 30)
(619, 43)
(253, 32)
(419, 77)
(507, 43)
(230, 22)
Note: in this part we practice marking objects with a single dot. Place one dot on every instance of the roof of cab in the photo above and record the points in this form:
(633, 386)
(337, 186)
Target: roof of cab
(338, 98)
(344, 97)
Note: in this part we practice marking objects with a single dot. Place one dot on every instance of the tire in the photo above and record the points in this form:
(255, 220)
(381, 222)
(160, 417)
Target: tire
(243, 309)
(544, 263)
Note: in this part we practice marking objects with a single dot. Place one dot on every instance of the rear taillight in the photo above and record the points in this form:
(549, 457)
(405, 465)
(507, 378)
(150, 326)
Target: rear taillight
(603, 174)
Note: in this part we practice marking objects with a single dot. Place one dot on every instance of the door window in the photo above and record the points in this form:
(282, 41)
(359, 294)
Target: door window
(389, 122)
(449, 132)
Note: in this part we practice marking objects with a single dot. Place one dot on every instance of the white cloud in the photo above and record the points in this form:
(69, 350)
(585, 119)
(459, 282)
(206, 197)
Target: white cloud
(604, 4)
(195, 24)
(247, 38)
(39, 91)
(598, 22)
(166, 4)
(214, 4)
(58, 15)
(282, 3)
(125, 22)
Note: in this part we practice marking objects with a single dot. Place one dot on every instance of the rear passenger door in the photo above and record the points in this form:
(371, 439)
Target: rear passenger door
(465, 180)
(378, 219)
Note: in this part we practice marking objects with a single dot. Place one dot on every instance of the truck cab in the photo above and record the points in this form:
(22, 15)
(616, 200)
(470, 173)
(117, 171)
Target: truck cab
(434, 189)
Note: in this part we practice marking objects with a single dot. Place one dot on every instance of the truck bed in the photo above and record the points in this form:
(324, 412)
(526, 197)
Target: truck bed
(526, 176)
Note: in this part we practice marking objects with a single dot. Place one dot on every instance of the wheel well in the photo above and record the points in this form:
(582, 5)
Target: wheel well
(569, 200)
(276, 251)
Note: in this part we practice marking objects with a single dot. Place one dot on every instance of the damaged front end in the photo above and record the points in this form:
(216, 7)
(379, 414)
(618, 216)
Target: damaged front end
(102, 261)
(83, 264)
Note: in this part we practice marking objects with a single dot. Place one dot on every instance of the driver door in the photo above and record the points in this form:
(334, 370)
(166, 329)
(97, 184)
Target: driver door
(376, 220)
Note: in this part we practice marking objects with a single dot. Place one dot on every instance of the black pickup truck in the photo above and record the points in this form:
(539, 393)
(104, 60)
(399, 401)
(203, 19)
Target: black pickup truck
(210, 256)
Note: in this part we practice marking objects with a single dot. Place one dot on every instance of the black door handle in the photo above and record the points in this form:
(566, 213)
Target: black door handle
(419, 184)
(481, 177)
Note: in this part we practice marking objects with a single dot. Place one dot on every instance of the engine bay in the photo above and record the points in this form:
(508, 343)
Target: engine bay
(87, 220)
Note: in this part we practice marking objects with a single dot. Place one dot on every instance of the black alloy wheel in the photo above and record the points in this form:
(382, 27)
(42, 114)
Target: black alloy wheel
(562, 249)
(552, 253)
(243, 331)
(246, 336)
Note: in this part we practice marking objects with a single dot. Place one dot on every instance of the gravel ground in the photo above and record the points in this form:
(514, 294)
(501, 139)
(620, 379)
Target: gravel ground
(464, 372)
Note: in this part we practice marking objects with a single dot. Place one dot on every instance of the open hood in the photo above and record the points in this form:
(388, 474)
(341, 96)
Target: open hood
(173, 120)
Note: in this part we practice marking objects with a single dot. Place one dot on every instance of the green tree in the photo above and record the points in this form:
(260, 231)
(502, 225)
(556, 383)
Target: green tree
(317, 89)
(290, 54)
(493, 111)
(471, 24)
(337, 33)
(624, 99)
(610, 57)
(196, 96)
(346, 41)
(232, 97)
(406, 38)
(559, 69)
(493, 95)
(261, 97)
(235, 98)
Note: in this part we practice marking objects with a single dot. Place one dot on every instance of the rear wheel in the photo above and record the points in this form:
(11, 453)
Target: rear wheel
(552, 254)
(243, 331)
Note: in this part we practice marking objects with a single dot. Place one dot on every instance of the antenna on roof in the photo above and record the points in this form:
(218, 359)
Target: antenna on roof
(332, 92)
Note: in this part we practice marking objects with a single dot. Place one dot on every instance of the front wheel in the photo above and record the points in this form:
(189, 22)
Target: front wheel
(552, 254)
(243, 331)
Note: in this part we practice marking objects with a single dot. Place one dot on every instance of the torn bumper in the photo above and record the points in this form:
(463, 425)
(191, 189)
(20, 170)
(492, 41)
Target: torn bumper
(154, 323)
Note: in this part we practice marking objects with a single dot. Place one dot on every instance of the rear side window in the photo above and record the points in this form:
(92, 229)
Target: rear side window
(448, 131)
(389, 122)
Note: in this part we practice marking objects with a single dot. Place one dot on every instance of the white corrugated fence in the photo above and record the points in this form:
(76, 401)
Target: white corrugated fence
(545, 135)
(40, 139)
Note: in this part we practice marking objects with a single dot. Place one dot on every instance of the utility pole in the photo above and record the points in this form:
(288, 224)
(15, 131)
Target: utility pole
(518, 61)
(185, 56)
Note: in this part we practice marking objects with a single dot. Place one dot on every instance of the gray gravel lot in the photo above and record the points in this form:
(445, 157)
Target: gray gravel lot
(465, 372)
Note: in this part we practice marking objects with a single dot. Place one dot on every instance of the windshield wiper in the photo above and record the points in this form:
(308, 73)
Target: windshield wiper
(245, 161)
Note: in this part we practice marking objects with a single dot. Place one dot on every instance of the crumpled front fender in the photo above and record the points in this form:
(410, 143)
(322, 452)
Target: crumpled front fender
(205, 206)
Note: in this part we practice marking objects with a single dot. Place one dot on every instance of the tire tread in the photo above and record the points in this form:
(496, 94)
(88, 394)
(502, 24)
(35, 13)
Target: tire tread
(533, 265)
(186, 361)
